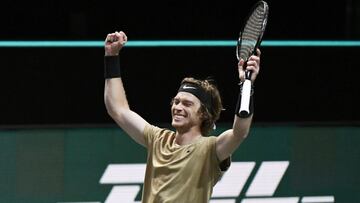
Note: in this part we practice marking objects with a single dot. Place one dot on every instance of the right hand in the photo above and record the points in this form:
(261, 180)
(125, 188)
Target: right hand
(114, 42)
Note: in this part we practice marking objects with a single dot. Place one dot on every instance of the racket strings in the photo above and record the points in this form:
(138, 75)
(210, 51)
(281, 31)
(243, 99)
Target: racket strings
(252, 31)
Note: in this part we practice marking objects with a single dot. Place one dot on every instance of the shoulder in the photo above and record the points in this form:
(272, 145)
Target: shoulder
(211, 139)
(153, 133)
(153, 129)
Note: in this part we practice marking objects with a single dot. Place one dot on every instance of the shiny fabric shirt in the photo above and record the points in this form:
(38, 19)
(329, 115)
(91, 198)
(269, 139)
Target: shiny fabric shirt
(179, 174)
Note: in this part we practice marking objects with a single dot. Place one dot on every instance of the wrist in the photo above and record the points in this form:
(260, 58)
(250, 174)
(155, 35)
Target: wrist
(112, 66)
(111, 54)
(240, 111)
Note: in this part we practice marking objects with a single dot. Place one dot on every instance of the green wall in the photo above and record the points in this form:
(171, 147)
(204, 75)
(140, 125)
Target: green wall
(66, 164)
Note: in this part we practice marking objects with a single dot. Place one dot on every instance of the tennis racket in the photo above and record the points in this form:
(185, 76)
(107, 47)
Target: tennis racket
(249, 40)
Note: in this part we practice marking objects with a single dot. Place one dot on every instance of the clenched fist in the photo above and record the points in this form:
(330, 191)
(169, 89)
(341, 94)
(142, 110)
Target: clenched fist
(114, 42)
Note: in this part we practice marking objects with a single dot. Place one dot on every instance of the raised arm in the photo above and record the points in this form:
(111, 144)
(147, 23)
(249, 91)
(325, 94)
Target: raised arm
(114, 94)
(229, 141)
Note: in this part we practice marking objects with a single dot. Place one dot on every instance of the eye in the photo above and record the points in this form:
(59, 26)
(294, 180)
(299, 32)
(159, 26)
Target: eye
(176, 101)
(187, 103)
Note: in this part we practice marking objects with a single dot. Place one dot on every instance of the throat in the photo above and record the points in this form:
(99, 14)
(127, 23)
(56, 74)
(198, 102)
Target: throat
(186, 139)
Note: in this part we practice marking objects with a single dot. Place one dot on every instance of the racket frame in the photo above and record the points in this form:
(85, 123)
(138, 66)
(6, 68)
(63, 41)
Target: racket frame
(244, 110)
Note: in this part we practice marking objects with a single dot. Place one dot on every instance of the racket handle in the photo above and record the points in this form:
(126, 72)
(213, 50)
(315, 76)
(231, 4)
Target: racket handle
(245, 98)
(248, 74)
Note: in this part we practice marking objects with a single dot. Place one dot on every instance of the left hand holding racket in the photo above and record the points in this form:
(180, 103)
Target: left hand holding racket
(253, 65)
(249, 40)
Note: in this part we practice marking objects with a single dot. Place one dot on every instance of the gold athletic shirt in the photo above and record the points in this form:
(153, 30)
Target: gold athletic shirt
(179, 174)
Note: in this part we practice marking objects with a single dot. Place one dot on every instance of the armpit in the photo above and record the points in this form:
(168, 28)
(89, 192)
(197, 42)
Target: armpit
(224, 165)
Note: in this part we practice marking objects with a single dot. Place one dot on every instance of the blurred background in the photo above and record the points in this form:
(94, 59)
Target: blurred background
(54, 124)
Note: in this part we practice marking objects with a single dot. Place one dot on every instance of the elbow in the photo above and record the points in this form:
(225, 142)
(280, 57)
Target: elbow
(109, 107)
(113, 110)
(117, 114)
(245, 135)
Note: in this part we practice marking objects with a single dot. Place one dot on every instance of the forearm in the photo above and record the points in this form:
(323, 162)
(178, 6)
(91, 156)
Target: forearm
(242, 121)
(241, 126)
(114, 93)
(114, 96)
(118, 108)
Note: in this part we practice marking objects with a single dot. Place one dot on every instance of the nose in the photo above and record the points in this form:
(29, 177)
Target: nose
(177, 107)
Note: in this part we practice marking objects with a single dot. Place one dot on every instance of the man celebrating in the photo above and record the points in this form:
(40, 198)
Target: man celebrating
(182, 166)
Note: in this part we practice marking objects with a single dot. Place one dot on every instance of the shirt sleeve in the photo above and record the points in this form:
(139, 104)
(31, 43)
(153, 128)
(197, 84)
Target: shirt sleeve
(150, 132)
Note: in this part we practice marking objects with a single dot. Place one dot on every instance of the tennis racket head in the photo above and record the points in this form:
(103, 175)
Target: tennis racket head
(250, 36)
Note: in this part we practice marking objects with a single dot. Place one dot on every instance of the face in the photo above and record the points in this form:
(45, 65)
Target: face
(185, 111)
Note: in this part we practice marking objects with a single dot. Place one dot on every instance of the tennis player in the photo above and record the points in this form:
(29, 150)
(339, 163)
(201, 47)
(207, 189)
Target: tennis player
(182, 166)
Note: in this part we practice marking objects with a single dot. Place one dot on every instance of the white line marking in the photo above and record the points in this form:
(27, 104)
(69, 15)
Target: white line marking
(123, 173)
(233, 180)
(267, 178)
(318, 199)
(271, 200)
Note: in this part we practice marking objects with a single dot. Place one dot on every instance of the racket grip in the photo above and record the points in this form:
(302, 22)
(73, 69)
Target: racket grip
(244, 110)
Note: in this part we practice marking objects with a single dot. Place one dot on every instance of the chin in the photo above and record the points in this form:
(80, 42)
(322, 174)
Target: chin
(177, 124)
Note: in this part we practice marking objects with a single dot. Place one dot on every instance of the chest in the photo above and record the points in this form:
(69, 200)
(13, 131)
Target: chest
(166, 153)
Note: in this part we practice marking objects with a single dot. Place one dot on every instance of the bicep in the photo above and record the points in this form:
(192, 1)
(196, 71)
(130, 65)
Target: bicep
(226, 144)
(132, 123)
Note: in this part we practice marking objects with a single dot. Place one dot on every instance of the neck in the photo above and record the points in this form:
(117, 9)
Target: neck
(187, 137)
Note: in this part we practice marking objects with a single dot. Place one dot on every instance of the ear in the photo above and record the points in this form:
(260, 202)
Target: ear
(202, 113)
